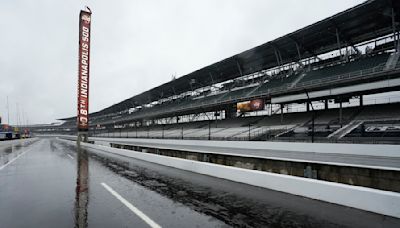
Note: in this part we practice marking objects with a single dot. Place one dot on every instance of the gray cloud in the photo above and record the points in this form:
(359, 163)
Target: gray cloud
(136, 45)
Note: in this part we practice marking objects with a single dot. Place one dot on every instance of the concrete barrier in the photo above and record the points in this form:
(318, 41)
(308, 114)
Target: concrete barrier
(377, 201)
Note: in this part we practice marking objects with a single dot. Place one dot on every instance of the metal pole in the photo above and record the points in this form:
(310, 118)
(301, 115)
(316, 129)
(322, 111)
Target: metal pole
(8, 112)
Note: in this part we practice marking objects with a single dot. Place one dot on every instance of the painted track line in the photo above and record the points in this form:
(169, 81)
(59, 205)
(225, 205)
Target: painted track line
(70, 156)
(13, 160)
(135, 210)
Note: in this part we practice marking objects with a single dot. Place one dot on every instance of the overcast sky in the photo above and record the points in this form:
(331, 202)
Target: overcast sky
(136, 45)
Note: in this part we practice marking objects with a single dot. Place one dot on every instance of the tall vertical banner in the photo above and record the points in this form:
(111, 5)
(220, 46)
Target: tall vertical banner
(83, 71)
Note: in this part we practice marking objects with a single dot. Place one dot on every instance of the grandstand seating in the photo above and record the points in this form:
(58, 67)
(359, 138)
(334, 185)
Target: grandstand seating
(344, 68)
(326, 121)
(381, 112)
(282, 81)
(377, 130)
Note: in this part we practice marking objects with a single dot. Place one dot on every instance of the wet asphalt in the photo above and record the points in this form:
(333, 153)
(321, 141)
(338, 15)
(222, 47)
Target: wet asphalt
(48, 183)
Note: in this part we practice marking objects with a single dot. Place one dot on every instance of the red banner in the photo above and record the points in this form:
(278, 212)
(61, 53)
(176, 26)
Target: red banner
(83, 71)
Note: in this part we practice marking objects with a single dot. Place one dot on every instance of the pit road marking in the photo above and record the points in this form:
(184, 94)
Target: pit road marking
(13, 160)
(135, 210)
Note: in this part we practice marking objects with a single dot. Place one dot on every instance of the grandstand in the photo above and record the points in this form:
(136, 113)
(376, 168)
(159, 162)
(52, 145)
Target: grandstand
(330, 64)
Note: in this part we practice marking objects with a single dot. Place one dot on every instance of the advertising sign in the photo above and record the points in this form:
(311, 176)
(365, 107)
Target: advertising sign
(83, 70)
(250, 106)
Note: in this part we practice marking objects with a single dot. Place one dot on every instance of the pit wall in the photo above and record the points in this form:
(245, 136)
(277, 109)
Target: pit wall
(377, 201)
(359, 176)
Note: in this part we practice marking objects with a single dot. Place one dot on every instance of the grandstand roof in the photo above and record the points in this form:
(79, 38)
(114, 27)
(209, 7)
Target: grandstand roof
(363, 22)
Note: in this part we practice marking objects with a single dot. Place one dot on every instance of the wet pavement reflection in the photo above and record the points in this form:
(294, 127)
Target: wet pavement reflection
(82, 189)
(236, 204)
(233, 209)
(11, 151)
(57, 184)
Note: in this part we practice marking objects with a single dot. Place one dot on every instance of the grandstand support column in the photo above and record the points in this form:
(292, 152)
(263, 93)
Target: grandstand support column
(313, 116)
(209, 130)
(361, 101)
(338, 42)
(270, 109)
(307, 106)
(394, 29)
(298, 51)
(182, 132)
(230, 111)
(216, 114)
(239, 67)
(340, 113)
(212, 79)
(277, 58)
(249, 132)
(282, 106)
(326, 104)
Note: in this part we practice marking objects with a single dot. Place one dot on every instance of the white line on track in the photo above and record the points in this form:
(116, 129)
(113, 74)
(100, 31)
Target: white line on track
(135, 210)
(70, 156)
(13, 160)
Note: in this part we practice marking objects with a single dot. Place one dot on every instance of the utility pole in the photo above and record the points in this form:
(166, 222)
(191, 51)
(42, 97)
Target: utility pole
(8, 112)
(17, 114)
